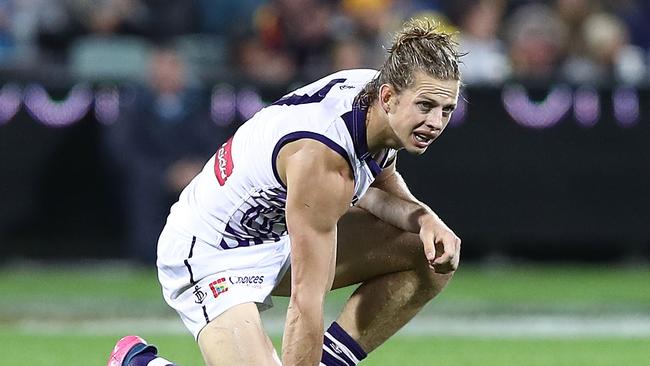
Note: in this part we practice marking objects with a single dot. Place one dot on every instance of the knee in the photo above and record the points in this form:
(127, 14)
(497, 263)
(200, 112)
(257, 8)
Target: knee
(433, 280)
(430, 282)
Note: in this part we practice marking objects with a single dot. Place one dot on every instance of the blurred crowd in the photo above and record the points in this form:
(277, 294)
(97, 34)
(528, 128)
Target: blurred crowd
(277, 41)
(169, 51)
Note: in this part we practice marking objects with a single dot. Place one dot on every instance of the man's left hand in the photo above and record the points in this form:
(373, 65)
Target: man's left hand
(441, 245)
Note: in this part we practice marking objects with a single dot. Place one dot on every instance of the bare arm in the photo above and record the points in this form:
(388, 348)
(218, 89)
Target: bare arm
(319, 190)
(390, 200)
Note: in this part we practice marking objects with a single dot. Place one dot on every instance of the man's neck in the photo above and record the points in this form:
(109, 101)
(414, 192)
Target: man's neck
(378, 131)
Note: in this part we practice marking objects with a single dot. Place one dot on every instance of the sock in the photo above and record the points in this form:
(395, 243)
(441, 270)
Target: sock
(146, 356)
(339, 349)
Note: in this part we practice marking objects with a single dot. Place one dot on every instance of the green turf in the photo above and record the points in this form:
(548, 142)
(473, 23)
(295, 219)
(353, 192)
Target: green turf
(67, 294)
(100, 291)
(70, 350)
(499, 352)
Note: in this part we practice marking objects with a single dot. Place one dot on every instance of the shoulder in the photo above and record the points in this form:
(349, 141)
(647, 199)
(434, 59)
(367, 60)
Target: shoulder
(313, 157)
(353, 78)
(356, 74)
(339, 81)
(314, 152)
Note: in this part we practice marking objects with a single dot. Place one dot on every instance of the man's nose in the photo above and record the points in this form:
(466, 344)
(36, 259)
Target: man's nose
(434, 119)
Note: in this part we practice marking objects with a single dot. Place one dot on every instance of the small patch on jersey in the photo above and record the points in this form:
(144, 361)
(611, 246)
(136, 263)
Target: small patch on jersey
(218, 287)
(223, 165)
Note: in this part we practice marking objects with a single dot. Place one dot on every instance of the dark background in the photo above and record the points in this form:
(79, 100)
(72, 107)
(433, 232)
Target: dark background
(567, 192)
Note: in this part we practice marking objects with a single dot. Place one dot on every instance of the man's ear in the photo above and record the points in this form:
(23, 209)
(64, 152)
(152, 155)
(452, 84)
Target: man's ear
(387, 97)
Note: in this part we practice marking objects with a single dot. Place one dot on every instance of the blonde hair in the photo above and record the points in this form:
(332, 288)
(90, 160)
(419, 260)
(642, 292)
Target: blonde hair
(418, 46)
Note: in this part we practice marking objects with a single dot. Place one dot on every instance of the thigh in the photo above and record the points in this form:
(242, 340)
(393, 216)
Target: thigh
(368, 247)
(237, 337)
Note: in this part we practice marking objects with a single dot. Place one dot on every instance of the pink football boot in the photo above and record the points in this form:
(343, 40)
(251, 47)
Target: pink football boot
(126, 348)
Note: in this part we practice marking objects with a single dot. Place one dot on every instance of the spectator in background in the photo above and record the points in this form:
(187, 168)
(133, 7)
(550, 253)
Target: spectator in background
(636, 14)
(485, 60)
(537, 41)
(262, 63)
(370, 22)
(302, 30)
(577, 66)
(349, 54)
(573, 13)
(610, 57)
(269, 53)
(109, 16)
(226, 17)
(159, 143)
(7, 41)
(156, 20)
(169, 18)
(69, 20)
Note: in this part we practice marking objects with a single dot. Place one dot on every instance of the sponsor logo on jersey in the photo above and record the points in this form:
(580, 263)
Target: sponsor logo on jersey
(246, 280)
(218, 287)
(223, 162)
(344, 86)
(200, 295)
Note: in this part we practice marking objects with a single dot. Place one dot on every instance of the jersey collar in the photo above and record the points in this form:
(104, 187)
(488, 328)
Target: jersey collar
(355, 121)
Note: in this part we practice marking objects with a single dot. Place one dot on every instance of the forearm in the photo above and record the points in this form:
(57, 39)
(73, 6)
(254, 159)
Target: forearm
(395, 210)
(303, 334)
(391, 201)
(312, 274)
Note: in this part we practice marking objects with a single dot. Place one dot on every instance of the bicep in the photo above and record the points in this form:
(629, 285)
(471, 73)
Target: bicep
(319, 187)
(319, 191)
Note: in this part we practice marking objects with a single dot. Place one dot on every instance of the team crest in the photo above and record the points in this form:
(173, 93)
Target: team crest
(200, 295)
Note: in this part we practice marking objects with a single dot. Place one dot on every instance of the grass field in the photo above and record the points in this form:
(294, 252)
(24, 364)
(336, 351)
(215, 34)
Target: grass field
(514, 315)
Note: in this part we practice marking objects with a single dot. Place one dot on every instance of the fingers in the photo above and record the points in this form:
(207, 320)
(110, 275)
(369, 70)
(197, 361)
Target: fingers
(427, 238)
(441, 248)
(449, 253)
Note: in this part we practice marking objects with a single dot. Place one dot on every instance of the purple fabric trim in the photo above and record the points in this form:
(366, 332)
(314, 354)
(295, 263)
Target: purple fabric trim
(140, 354)
(375, 169)
(294, 136)
(342, 336)
(329, 360)
(142, 359)
(355, 121)
(334, 348)
(240, 242)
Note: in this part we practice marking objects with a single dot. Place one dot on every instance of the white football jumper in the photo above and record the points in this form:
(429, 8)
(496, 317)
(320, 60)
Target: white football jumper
(226, 241)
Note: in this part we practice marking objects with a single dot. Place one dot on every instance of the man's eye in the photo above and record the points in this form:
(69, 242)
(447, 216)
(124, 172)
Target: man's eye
(424, 106)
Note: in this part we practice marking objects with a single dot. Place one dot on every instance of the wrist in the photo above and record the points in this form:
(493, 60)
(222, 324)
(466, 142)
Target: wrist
(427, 218)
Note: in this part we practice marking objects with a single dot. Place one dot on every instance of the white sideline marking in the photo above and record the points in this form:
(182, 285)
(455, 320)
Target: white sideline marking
(552, 326)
